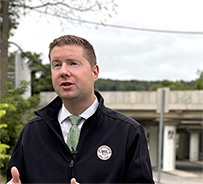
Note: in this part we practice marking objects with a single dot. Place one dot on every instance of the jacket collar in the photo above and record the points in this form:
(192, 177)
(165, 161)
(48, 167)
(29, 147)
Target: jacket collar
(50, 112)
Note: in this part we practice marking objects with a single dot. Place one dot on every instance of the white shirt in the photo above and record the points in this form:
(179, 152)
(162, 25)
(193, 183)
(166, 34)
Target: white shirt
(65, 122)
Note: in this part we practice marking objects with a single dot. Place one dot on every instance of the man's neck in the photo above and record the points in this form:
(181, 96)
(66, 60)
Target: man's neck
(77, 108)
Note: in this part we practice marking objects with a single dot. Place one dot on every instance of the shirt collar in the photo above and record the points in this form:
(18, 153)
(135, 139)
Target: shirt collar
(64, 113)
(91, 110)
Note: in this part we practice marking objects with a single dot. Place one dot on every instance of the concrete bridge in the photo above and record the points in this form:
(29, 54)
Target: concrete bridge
(182, 120)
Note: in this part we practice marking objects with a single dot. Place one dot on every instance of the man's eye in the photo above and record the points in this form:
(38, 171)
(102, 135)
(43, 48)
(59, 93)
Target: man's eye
(73, 63)
(56, 65)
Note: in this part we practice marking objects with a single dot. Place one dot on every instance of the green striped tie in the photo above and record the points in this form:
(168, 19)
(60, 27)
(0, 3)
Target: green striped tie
(73, 135)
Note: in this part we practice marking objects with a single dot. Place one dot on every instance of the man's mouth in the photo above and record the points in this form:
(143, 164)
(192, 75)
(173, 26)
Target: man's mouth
(66, 84)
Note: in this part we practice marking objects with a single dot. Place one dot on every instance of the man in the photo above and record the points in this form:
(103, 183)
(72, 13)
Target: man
(112, 148)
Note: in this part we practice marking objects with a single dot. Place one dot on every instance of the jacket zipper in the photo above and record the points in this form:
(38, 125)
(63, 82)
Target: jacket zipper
(71, 164)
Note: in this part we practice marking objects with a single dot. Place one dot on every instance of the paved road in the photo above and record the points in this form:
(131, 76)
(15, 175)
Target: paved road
(186, 173)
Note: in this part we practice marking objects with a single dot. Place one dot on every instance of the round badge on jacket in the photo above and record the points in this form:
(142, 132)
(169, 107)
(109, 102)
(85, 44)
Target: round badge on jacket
(104, 152)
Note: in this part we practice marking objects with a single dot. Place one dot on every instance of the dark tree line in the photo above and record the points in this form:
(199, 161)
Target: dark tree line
(41, 79)
(138, 85)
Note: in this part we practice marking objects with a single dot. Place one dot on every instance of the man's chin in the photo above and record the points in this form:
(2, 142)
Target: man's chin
(68, 97)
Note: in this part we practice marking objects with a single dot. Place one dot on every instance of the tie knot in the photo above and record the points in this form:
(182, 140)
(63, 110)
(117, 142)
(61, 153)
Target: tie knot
(75, 120)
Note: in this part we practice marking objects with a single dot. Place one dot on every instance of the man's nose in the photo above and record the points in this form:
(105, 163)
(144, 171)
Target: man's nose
(65, 70)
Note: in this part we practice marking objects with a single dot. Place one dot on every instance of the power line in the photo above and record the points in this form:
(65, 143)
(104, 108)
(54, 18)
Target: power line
(123, 27)
(143, 29)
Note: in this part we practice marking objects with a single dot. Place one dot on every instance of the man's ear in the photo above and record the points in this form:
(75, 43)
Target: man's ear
(95, 71)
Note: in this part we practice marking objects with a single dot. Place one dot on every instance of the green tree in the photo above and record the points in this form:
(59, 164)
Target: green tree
(15, 120)
(166, 83)
(40, 73)
(3, 147)
(125, 85)
(71, 12)
(199, 81)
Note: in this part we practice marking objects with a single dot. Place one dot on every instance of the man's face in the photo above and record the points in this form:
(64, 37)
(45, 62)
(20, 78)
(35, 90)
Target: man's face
(72, 76)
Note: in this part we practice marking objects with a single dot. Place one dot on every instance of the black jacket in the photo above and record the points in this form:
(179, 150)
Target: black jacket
(112, 149)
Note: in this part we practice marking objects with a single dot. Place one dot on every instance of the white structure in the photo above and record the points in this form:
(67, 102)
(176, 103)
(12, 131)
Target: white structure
(169, 149)
(153, 145)
(22, 72)
(194, 146)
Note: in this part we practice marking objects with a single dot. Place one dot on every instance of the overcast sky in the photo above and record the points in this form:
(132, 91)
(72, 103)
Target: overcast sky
(131, 54)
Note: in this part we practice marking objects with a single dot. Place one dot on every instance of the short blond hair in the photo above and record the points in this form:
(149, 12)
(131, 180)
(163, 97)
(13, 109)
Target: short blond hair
(89, 52)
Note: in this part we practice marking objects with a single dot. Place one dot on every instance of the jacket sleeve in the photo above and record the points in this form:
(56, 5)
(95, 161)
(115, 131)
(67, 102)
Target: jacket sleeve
(17, 160)
(138, 165)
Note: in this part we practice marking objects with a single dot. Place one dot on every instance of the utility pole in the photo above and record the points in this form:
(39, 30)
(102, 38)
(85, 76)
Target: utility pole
(4, 46)
(161, 133)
